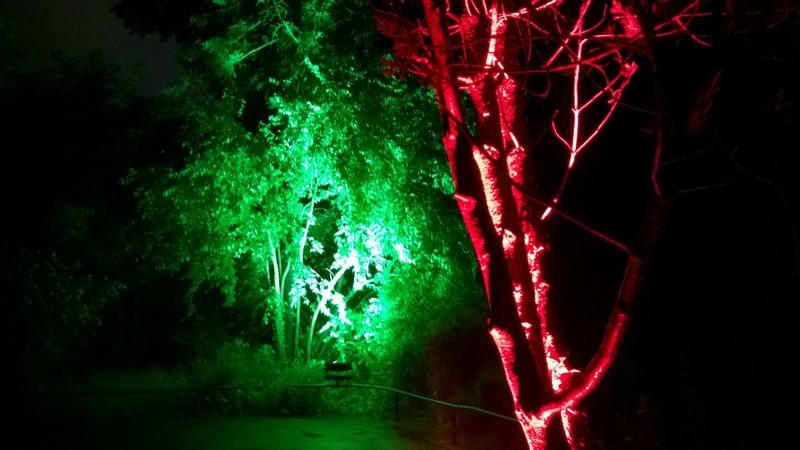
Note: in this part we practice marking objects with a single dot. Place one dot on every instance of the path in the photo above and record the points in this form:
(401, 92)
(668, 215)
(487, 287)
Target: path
(295, 433)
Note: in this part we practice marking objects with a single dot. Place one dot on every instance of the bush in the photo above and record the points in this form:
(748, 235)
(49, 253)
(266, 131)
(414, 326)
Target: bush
(239, 379)
(259, 381)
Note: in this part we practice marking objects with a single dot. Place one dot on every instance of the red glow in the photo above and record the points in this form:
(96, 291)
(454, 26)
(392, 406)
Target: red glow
(472, 49)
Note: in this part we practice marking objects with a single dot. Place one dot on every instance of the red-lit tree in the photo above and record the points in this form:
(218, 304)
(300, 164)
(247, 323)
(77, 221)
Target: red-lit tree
(496, 67)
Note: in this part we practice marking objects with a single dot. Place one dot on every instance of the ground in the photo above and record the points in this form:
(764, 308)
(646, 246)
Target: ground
(177, 420)
(220, 433)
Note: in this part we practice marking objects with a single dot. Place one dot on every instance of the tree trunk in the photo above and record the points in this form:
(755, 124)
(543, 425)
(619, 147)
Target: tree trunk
(489, 172)
(486, 61)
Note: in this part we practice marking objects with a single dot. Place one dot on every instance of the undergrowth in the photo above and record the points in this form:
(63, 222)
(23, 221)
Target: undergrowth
(237, 379)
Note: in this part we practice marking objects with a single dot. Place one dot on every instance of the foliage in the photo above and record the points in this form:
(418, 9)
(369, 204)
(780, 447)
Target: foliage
(301, 191)
(9, 55)
(67, 240)
(252, 382)
(55, 306)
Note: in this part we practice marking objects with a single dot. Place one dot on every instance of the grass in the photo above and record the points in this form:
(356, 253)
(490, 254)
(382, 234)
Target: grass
(235, 380)
(256, 387)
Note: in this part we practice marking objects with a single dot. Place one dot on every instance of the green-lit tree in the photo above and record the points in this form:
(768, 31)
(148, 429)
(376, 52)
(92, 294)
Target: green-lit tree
(302, 193)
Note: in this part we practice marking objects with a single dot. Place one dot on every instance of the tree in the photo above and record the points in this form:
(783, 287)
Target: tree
(301, 194)
(68, 244)
(515, 80)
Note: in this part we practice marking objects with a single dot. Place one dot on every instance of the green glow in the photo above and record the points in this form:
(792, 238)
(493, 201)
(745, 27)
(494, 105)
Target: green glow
(318, 207)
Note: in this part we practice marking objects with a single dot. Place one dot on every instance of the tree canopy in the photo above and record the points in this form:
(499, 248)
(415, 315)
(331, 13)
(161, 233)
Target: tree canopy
(68, 238)
(310, 178)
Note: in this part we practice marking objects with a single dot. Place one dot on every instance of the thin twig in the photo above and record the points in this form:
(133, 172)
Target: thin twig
(571, 219)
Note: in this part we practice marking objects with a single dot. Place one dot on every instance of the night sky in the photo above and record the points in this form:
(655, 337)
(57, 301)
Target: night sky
(79, 27)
